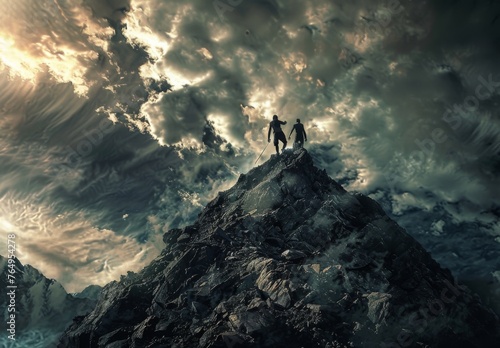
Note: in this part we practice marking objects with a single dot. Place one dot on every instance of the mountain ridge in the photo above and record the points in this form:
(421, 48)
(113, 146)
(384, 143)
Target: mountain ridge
(287, 257)
(43, 308)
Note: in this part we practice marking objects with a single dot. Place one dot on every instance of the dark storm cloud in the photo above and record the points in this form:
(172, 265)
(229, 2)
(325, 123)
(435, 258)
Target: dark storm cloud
(403, 72)
(80, 172)
(372, 82)
(110, 9)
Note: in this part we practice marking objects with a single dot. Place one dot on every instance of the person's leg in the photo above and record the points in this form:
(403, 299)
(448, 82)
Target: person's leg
(276, 144)
(298, 142)
(282, 137)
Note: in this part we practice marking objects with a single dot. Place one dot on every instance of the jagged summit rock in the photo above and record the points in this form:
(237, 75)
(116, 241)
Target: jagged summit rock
(288, 258)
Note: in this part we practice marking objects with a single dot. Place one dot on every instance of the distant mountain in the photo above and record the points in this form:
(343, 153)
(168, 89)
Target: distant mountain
(91, 292)
(288, 258)
(475, 263)
(43, 309)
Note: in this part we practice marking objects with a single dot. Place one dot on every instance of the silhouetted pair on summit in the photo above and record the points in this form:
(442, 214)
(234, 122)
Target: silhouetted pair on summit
(275, 125)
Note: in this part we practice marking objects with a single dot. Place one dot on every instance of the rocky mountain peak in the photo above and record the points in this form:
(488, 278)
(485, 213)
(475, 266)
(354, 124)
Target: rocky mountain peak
(41, 307)
(287, 257)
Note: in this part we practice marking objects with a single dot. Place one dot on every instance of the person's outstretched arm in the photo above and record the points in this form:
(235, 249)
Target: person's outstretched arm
(269, 134)
(291, 132)
(283, 122)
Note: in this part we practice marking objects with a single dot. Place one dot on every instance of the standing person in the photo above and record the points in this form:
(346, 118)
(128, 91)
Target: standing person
(300, 135)
(275, 125)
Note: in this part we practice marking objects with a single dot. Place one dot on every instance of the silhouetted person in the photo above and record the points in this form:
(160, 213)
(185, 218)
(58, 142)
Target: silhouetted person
(275, 125)
(300, 135)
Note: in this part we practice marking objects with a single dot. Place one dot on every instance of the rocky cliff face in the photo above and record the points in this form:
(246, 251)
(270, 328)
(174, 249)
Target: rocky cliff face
(288, 258)
(43, 309)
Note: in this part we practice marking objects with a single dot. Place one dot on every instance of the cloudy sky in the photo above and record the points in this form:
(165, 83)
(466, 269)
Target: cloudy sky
(120, 119)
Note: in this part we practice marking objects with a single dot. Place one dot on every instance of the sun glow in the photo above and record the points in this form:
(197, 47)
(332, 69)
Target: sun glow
(32, 48)
(16, 61)
(222, 125)
(65, 66)
(6, 226)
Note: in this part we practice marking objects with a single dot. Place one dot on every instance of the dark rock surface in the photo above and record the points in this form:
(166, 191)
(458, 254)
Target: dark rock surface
(288, 258)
